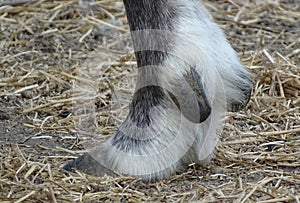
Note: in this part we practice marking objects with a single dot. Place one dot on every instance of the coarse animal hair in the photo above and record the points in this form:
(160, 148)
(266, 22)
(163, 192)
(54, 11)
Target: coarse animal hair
(188, 75)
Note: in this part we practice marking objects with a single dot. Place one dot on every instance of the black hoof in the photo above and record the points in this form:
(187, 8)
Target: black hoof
(87, 164)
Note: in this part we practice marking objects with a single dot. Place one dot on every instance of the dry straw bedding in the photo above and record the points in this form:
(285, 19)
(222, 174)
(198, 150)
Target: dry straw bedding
(44, 45)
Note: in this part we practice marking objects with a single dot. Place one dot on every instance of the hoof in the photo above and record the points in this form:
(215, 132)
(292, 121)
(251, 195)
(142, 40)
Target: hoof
(87, 164)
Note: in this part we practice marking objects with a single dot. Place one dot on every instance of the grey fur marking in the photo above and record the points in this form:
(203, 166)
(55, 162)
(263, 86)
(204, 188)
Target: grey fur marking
(174, 115)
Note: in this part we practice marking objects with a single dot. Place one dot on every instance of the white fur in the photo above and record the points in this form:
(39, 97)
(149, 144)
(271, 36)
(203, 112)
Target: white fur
(201, 44)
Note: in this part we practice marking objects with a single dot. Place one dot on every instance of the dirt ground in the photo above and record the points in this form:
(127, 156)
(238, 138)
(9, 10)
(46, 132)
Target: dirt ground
(44, 46)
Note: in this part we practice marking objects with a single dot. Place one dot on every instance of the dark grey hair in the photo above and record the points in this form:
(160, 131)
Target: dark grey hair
(188, 75)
